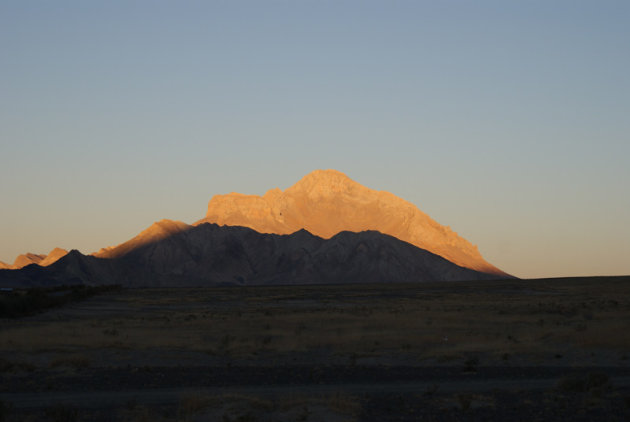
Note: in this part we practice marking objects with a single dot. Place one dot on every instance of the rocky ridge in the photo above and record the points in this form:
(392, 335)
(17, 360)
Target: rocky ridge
(326, 202)
(29, 258)
(172, 253)
(326, 228)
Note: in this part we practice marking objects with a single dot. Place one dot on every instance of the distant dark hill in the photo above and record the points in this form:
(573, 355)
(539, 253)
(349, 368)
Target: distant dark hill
(208, 254)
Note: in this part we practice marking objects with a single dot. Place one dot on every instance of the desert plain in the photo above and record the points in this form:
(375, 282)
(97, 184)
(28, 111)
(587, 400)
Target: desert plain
(545, 349)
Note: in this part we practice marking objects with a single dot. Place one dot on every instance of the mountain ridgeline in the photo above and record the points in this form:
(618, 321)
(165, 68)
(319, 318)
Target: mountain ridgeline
(326, 228)
(30, 258)
(172, 253)
(326, 202)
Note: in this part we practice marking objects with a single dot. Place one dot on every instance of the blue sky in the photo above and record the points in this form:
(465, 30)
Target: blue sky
(507, 121)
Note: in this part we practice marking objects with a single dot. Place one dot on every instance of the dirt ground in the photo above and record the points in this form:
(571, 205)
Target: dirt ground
(554, 349)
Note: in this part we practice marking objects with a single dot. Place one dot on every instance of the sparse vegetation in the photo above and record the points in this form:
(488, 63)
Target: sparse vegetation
(471, 363)
(464, 401)
(595, 381)
(76, 362)
(61, 413)
(25, 302)
(7, 366)
(316, 335)
(4, 410)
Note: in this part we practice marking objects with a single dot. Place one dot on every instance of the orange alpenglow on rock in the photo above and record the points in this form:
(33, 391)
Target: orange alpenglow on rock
(157, 231)
(326, 202)
(53, 257)
(30, 258)
(27, 259)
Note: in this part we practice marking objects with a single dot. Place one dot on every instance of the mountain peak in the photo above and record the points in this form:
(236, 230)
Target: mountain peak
(325, 182)
(30, 258)
(27, 259)
(165, 226)
(155, 232)
(326, 176)
(53, 256)
(326, 202)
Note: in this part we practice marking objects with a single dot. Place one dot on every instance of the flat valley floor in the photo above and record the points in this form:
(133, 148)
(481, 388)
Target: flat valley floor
(530, 350)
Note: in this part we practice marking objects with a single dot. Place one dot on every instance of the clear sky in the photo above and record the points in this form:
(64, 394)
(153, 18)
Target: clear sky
(507, 120)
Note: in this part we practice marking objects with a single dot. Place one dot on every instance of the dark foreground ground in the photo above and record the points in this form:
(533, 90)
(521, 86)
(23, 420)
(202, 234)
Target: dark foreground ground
(513, 350)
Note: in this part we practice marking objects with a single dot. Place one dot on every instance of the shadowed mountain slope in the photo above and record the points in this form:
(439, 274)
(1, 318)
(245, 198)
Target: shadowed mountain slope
(172, 253)
(53, 257)
(156, 232)
(326, 202)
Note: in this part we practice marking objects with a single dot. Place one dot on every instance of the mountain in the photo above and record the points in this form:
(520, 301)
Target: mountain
(171, 253)
(157, 231)
(30, 258)
(27, 259)
(326, 202)
(53, 257)
(326, 228)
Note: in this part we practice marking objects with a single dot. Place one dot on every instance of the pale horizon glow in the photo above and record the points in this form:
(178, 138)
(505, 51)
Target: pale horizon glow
(507, 121)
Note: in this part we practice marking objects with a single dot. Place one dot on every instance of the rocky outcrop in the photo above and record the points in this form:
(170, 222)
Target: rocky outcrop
(27, 259)
(53, 257)
(30, 258)
(326, 202)
(156, 232)
(173, 254)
